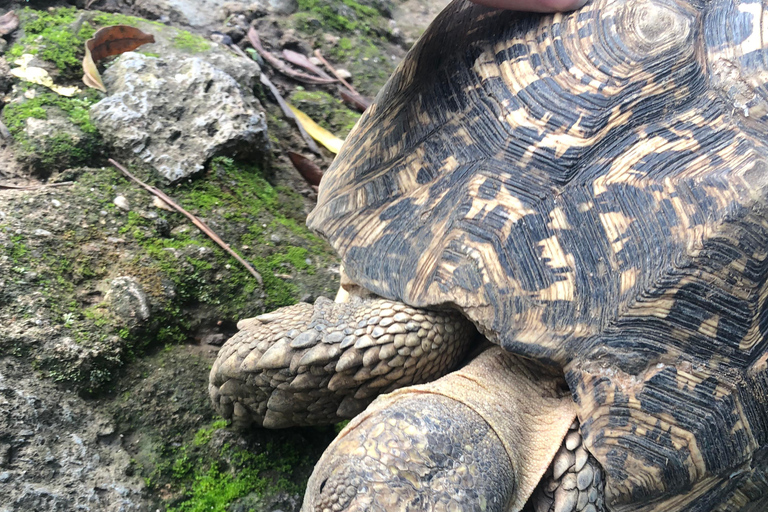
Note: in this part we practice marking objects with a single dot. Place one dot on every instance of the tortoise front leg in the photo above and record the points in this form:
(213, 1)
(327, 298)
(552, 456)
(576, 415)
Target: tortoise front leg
(319, 364)
(478, 439)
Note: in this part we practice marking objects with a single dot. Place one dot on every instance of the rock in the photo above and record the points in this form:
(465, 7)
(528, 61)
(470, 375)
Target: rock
(51, 144)
(5, 73)
(128, 300)
(343, 73)
(277, 6)
(54, 455)
(176, 115)
(217, 339)
(122, 203)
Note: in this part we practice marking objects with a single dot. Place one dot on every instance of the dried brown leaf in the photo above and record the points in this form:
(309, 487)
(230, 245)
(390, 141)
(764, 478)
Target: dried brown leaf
(307, 168)
(355, 100)
(106, 42)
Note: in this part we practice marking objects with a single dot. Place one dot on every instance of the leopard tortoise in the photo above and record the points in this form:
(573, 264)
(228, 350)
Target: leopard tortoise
(587, 191)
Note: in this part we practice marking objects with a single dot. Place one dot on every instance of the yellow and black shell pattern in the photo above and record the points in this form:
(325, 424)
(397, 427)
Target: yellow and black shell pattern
(591, 190)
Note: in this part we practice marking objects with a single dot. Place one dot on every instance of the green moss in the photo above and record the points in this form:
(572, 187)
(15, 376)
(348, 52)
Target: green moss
(58, 35)
(191, 43)
(329, 112)
(54, 35)
(343, 16)
(59, 150)
(214, 489)
(18, 251)
(203, 478)
(76, 108)
(236, 194)
(204, 435)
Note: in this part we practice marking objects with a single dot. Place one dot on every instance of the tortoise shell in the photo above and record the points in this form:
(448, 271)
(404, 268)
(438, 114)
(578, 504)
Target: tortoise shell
(590, 189)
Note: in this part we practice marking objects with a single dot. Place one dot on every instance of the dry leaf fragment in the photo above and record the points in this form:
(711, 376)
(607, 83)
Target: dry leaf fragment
(8, 23)
(317, 132)
(108, 41)
(39, 76)
(307, 168)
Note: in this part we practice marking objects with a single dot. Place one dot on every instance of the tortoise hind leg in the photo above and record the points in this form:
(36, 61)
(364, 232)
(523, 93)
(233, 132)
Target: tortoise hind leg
(477, 439)
(319, 364)
(574, 481)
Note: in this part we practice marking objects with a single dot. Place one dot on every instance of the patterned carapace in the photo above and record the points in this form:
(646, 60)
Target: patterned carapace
(590, 189)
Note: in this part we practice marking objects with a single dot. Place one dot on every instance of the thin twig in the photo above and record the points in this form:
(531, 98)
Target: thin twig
(289, 113)
(301, 60)
(239, 51)
(41, 185)
(197, 222)
(336, 74)
(279, 65)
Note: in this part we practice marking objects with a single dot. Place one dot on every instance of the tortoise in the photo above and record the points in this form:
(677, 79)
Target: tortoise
(585, 192)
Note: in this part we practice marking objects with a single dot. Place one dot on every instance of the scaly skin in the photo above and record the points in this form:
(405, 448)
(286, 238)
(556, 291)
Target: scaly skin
(480, 438)
(323, 363)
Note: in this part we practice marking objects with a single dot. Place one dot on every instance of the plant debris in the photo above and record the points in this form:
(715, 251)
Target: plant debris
(289, 113)
(301, 60)
(197, 222)
(280, 66)
(356, 97)
(317, 132)
(307, 168)
(106, 42)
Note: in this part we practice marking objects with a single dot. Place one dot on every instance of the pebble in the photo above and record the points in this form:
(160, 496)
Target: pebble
(55, 202)
(343, 73)
(122, 203)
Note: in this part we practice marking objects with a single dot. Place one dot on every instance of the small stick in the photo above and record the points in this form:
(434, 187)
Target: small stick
(299, 59)
(336, 74)
(279, 65)
(283, 105)
(197, 222)
(289, 114)
(41, 185)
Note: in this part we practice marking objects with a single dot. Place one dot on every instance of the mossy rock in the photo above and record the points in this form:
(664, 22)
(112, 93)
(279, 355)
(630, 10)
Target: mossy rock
(52, 132)
(191, 285)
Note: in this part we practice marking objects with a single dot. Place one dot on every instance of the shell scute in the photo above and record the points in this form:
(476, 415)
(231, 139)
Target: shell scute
(590, 189)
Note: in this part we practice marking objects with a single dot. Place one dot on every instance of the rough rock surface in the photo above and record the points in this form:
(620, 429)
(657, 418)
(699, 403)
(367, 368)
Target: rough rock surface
(208, 12)
(56, 452)
(177, 115)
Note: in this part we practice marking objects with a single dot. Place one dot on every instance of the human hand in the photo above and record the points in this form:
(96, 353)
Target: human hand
(533, 5)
